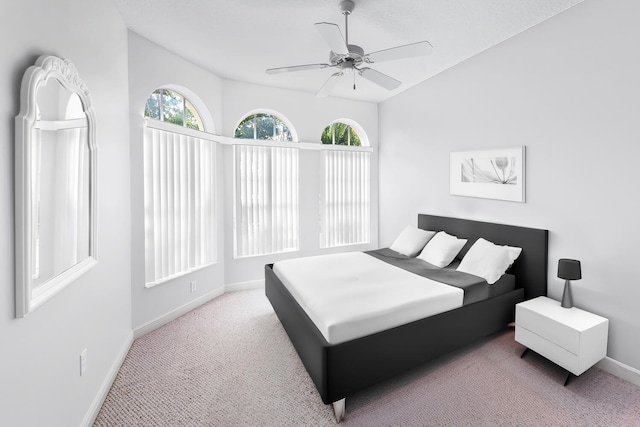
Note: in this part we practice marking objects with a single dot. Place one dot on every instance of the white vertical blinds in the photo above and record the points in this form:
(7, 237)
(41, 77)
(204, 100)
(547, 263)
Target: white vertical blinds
(65, 236)
(179, 204)
(346, 198)
(266, 200)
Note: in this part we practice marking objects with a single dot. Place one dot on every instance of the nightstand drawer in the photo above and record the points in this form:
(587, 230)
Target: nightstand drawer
(574, 339)
(557, 333)
(548, 349)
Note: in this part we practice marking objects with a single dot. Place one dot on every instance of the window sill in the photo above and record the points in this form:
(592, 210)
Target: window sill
(149, 285)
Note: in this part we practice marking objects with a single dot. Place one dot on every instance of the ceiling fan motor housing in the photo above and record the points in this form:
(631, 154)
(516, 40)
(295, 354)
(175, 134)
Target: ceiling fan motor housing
(355, 56)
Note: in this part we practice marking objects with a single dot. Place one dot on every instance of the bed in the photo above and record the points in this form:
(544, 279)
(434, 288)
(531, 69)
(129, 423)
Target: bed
(348, 366)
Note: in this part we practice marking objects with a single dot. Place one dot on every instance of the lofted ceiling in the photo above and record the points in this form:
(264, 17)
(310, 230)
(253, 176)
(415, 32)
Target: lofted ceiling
(240, 39)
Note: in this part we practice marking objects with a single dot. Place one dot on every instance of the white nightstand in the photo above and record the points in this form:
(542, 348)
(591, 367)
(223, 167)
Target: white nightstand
(572, 338)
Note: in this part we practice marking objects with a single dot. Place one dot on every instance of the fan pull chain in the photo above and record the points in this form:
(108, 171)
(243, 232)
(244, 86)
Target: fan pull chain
(354, 81)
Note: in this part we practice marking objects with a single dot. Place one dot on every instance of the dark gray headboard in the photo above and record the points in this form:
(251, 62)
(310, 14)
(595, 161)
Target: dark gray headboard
(530, 268)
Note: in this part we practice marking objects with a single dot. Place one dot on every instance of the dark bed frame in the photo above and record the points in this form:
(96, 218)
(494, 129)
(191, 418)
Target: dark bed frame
(343, 369)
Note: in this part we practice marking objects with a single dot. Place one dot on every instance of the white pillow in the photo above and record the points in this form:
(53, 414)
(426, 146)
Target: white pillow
(411, 240)
(442, 249)
(488, 260)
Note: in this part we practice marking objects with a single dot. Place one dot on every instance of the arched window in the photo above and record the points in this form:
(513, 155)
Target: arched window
(179, 189)
(265, 187)
(264, 126)
(341, 133)
(169, 106)
(345, 201)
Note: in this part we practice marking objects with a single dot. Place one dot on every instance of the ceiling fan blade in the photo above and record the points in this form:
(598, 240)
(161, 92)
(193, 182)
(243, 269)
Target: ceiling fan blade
(400, 52)
(297, 68)
(380, 79)
(333, 36)
(326, 87)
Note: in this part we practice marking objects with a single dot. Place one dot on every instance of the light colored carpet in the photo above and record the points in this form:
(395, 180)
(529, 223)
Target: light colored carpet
(230, 363)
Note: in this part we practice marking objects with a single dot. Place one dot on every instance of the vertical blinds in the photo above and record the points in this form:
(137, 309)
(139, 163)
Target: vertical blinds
(266, 200)
(346, 198)
(179, 204)
(65, 233)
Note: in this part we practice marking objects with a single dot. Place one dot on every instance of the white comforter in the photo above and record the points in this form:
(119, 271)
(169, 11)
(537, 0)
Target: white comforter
(350, 295)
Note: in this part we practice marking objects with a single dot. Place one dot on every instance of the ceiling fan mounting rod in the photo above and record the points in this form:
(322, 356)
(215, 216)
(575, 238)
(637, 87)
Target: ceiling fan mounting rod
(346, 7)
(346, 28)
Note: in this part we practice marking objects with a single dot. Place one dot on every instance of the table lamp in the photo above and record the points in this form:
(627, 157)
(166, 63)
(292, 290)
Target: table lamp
(568, 269)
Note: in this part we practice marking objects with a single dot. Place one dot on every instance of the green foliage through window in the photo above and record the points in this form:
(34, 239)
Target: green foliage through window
(339, 133)
(171, 107)
(263, 126)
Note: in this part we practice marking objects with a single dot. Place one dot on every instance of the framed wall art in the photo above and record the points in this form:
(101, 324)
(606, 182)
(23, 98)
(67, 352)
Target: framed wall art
(491, 174)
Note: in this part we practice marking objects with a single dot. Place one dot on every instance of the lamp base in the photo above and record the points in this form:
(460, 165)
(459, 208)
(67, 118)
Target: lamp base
(567, 300)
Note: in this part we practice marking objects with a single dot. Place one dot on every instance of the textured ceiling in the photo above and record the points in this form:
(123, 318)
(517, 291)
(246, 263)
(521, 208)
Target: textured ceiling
(239, 39)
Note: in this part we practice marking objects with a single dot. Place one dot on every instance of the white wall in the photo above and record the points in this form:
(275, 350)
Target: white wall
(309, 115)
(152, 67)
(39, 355)
(568, 90)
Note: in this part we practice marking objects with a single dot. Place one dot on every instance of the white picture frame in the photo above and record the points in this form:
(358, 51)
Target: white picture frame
(497, 173)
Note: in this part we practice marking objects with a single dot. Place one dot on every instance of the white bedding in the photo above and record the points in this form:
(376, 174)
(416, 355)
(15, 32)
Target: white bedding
(350, 295)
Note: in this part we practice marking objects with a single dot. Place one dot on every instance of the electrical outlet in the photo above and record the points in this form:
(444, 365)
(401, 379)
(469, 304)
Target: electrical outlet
(194, 286)
(83, 362)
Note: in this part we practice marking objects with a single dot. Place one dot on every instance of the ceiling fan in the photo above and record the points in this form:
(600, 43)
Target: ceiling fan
(350, 58)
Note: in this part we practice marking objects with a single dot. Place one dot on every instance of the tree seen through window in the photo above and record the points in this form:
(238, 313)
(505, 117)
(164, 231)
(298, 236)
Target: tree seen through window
(263, 126)
(171, 107)
(339, 133)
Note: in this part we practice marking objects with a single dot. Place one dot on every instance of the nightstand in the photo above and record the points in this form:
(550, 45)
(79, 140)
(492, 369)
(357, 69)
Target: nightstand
(570, 337)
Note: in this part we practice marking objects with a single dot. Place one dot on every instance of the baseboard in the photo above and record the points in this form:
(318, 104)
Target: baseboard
(244, 286)
(175, 313)
(620, 370)
(96, 405)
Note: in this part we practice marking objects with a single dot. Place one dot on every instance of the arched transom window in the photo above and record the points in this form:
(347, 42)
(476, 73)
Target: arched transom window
(264, 126)
(340, 133)
(169, 106)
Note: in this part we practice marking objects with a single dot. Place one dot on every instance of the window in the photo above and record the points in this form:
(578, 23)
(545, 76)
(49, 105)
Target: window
(263, 126)
(339, 133)
(266, 200)
(265, 187)
(346, 198)
(171, 107)
(179, 194)
(345, 201)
